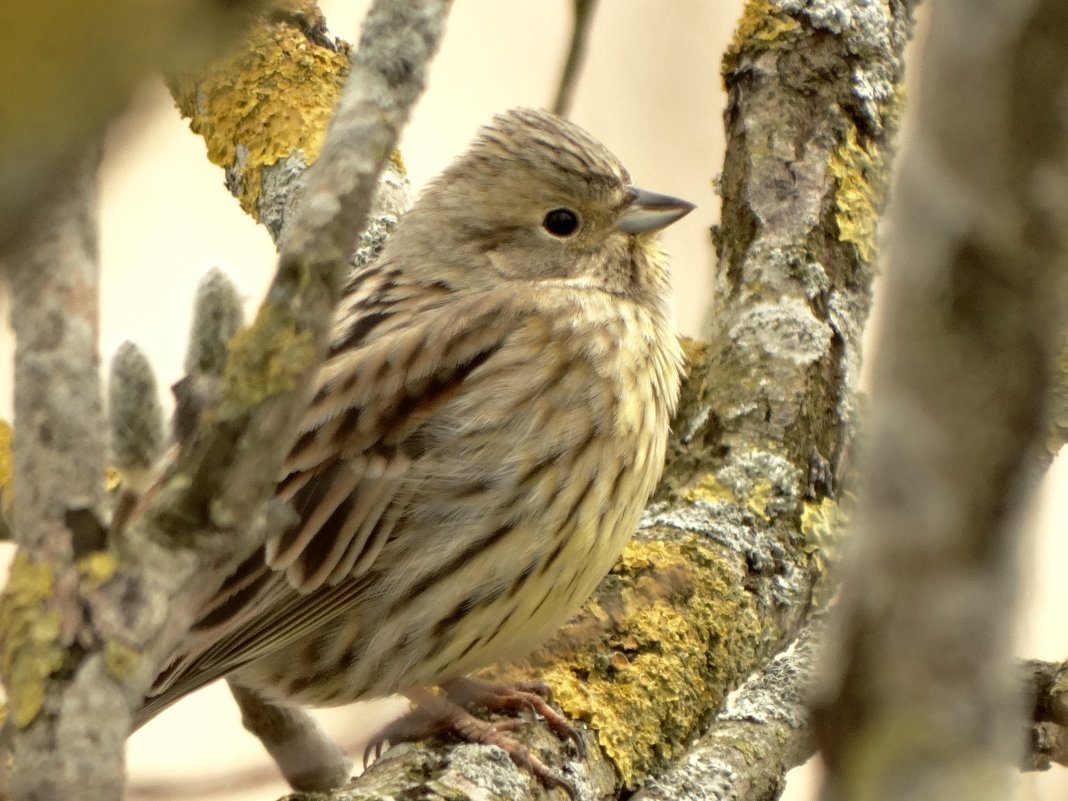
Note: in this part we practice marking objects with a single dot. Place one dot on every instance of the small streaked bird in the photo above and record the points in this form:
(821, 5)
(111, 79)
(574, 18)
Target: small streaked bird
(490, 421)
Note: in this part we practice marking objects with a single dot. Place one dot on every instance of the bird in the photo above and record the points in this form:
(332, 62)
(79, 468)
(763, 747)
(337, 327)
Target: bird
(488, 423)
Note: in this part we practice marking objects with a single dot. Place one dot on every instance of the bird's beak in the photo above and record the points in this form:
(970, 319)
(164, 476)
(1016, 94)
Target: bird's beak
(651, 212)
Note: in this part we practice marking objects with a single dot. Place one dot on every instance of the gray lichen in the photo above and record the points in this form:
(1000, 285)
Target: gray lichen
(866, 27)
(786, 329)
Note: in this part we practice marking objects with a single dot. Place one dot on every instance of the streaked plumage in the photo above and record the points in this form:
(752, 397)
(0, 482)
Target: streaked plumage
(489, 423)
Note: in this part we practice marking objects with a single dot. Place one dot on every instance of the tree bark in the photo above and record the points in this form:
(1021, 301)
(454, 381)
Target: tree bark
(730, 557)
(93, 634)
(920, 699)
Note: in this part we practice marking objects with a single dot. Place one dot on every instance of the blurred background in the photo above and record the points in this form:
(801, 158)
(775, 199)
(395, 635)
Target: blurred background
(650, 90)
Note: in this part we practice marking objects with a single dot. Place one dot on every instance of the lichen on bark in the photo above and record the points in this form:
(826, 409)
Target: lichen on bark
(30, 647)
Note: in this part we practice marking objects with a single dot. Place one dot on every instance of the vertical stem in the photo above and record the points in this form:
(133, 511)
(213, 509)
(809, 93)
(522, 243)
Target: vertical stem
(58, 446)
(59, 436)
(924, 704)
(582, 16)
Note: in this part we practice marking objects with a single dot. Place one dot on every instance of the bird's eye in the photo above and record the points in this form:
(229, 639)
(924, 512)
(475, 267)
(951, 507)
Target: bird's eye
(561, 222)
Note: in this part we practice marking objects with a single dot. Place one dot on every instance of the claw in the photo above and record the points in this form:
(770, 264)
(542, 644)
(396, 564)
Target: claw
(436, 714)
(535, 686)
(532, 695)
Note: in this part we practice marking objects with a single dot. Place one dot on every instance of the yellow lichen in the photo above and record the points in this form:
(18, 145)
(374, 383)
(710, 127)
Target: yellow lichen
(266, 359)
(674, 638)
(271, 99)
(29, 634)
(5, 466)
(97, 568)
(672, 623)
(821, 524)
(120, 660)
(708, 488)
(112, 479)
(397, 161)
(760, 494)
(858, 196)
(762, 26)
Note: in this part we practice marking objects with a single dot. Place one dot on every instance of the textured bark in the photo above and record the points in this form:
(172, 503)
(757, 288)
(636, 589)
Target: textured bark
(729, 557)
(761, 732)
(58, 455)
(297, 72)
(920, 699)
(1047, 695)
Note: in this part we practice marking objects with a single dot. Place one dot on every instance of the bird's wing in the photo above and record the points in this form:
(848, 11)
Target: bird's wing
(347, 476)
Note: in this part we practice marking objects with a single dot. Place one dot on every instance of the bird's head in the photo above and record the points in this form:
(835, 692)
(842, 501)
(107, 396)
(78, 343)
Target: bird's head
(536, 198)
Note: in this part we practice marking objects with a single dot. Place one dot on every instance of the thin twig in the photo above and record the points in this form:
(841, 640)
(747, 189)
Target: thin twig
(582, 16)
(305, 755)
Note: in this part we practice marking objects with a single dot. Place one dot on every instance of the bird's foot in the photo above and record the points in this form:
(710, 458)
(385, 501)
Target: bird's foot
(436, 714)
(534, 696)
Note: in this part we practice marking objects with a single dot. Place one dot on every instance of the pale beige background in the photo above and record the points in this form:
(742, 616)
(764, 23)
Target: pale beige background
(651, 91)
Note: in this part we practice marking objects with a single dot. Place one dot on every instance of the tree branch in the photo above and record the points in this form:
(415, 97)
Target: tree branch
(920, 700)
(1047, 695)
(728, 558)
(265, 148)
(303, 752)
(138, 598)
(58, 455)
(581, 19)
(761, 734)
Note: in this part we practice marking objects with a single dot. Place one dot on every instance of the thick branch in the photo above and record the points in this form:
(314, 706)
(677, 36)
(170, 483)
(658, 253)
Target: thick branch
(1047, 695)
(761, 734)
(296, 71)
(726, 564)
(58, 458)
(387, 76)
(922, 703)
